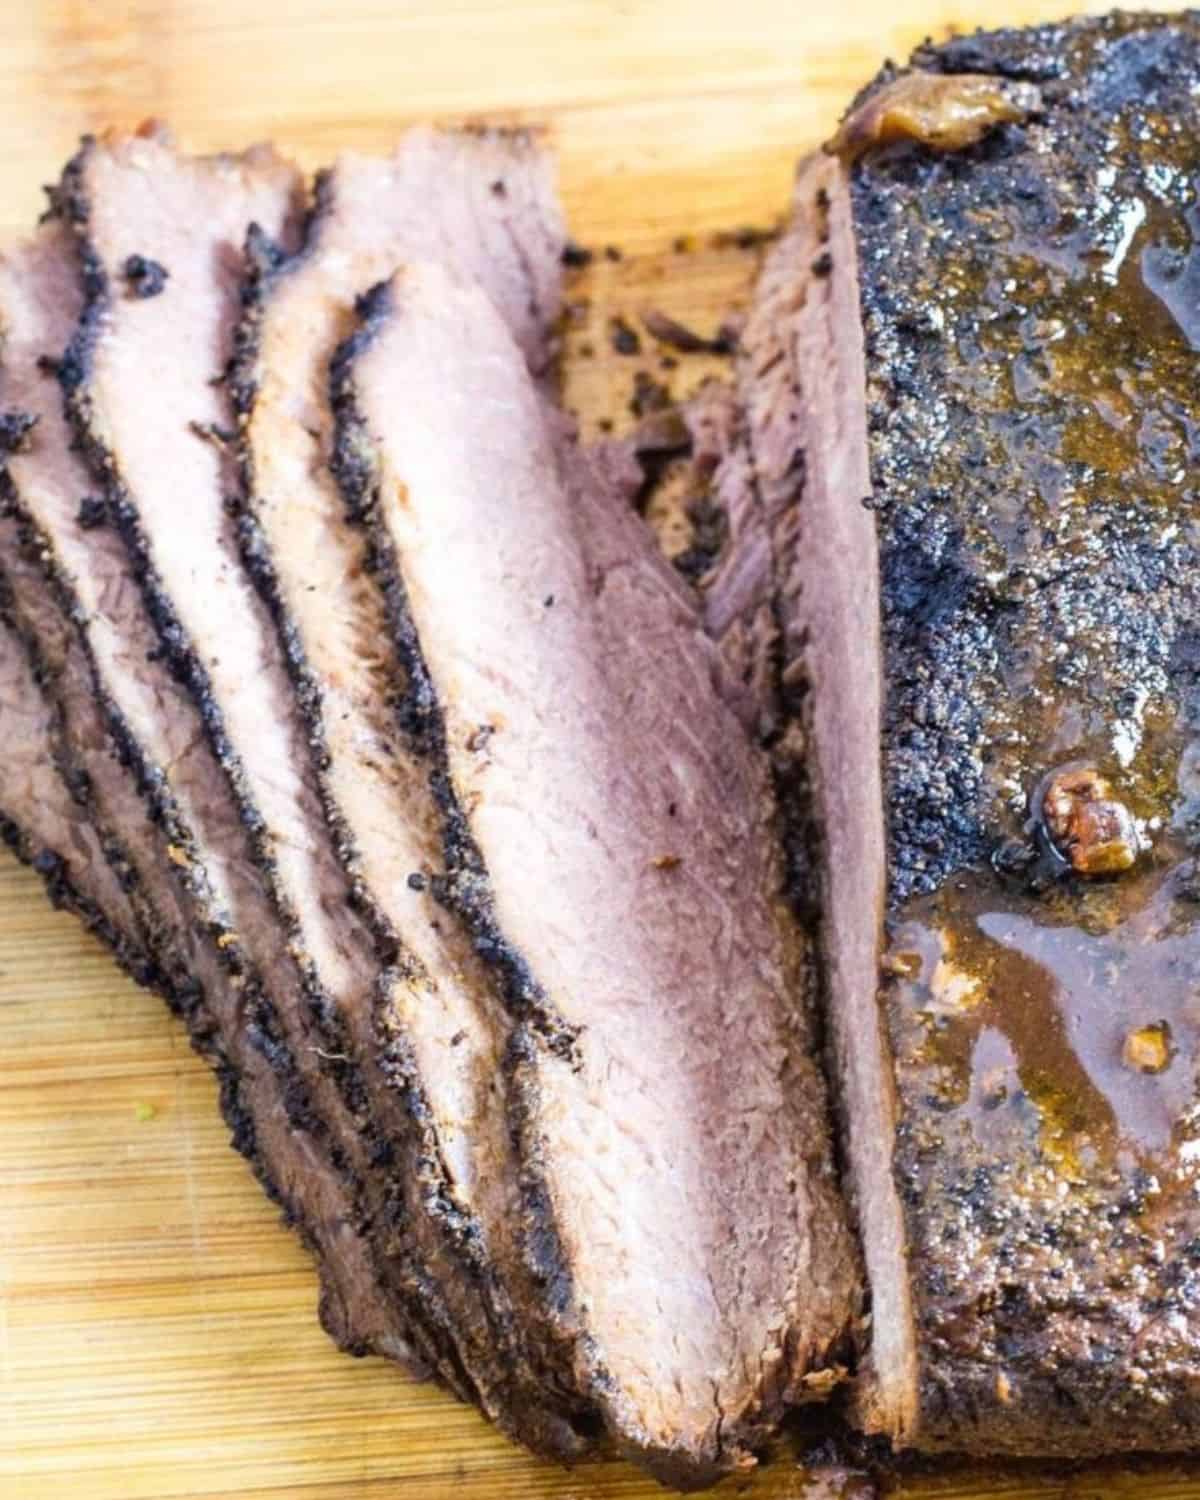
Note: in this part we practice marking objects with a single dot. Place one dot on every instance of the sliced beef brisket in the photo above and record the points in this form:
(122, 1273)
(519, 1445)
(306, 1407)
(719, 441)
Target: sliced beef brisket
(167, 466)
(483, 204)
(609, 835)
(1028, 411)
(180, 818)
(794, 605)
(43, 819)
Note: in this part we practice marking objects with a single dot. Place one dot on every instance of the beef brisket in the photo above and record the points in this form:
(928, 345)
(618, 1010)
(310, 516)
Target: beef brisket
(44, 819)
(1027, 407)
(179, 818)
(1032, 343)
(167, 465)
(483, 204)
(609, 837)
(794, 605)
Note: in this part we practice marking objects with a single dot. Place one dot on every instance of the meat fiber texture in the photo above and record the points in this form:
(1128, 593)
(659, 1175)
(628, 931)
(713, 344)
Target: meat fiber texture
(611, 842)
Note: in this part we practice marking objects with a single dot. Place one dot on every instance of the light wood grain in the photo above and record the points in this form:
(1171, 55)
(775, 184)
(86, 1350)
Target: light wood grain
(157, 1328)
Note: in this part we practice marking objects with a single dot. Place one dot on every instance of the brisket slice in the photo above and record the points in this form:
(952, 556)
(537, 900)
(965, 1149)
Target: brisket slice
(609, 836)
(794, 606)
(1028, 317)
(482, 203)
(186, 819)
(166, 463)
(44, 818)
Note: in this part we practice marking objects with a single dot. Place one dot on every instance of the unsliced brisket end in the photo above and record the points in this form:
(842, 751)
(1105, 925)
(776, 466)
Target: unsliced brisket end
(1029, 325)
(1031, 333)
(483, 204)
(187, 821)
(610, 840)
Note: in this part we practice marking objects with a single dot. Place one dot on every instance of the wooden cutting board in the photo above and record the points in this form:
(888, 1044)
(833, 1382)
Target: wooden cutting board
(157, 1328)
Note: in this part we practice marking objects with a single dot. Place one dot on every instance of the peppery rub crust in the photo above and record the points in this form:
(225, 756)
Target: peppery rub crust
(1029, 313)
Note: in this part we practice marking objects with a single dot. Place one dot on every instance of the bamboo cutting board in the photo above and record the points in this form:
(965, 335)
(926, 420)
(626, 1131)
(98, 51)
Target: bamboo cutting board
(157, 1328)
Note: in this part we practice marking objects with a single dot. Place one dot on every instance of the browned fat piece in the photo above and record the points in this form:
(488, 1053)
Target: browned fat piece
(194, 845)
(611, 837)
(944, 111)
(1024, 1154)
(483, 204)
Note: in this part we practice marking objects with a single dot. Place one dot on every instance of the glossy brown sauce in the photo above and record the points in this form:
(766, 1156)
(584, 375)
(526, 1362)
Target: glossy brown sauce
(1059, 1013)
(1022, 1018)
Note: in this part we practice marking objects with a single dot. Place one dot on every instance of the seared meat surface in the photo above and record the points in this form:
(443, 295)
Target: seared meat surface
(1026, 407)
(977, 329)
(1031, 397)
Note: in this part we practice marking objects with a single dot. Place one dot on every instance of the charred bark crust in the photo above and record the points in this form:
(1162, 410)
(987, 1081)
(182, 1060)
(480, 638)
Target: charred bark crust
(1058, 1310)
